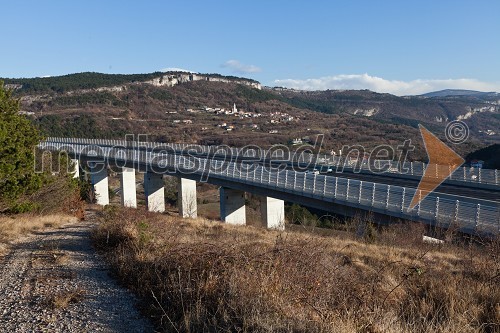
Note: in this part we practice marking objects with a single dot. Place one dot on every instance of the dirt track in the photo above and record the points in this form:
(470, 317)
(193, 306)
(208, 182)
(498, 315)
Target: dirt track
(54, 281)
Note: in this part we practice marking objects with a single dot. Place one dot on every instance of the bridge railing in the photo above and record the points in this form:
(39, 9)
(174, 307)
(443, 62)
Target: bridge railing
(473, 216)
(417, 169)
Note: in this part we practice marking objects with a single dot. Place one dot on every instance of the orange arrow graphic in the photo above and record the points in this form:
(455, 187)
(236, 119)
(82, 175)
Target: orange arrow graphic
(443, 161)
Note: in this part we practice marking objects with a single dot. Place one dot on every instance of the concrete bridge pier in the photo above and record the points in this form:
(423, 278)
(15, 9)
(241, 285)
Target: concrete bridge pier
(232, 206)
(154, 191)
(186, 198)
(99, 181)
(127, 187)
(273, 213)
(76, 172)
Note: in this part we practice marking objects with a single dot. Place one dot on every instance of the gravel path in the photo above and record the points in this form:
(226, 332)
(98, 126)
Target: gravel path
(55, 282)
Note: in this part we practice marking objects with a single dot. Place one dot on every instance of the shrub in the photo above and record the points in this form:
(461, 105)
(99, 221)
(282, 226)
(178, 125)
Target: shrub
(297, 214)
(24, 207)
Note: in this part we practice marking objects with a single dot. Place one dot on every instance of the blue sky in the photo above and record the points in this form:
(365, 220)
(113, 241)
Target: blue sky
(401, 47)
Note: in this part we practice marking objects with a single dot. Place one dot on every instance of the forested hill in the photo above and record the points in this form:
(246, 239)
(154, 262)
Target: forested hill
(92, 80)
(70, 82)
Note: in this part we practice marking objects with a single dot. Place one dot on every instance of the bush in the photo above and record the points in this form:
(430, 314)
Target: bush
(297, 214)
(171, 190)
(24, 207)
(86, 191)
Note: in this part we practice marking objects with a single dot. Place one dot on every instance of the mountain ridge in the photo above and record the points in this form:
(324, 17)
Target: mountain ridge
(458, 92)
(95, 80)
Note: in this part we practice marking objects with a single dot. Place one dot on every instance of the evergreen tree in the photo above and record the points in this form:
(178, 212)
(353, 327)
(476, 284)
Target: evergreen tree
(18, 137)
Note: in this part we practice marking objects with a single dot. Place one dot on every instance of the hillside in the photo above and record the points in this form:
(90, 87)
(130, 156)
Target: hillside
(92, 80)
(162, 112)
(460, 92)
(480, 112)
(490, 155)
(188, 107)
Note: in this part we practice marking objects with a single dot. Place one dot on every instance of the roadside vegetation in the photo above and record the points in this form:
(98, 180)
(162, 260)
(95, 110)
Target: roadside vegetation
(33, 195)
(204, 276)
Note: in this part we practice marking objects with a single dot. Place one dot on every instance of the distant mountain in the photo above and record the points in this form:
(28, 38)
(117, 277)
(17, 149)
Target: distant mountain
(481, 113)
(459, 92)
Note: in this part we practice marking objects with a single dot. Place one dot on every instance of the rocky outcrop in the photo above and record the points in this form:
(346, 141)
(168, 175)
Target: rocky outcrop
(366, 112)
(473, 111)
(171, 80)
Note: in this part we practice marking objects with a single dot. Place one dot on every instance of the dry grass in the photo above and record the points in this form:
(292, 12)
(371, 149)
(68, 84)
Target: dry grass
(12, 227)
(62, 299)
(50, 257)
(196, 276)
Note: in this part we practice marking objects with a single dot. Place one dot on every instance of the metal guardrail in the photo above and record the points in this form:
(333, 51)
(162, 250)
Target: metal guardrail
(416, 169)
(471, 216)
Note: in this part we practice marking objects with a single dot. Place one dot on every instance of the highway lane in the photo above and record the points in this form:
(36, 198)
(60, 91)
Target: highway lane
(389, 179)
(478, 193)
(445, 188)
